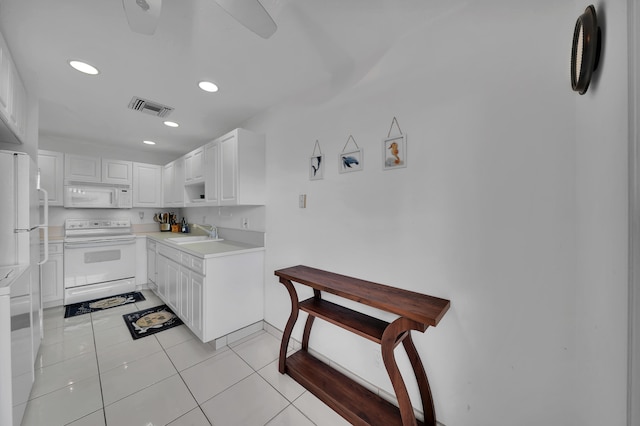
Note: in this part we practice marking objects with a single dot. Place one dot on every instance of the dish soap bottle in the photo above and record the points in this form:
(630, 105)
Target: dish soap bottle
(184, 228)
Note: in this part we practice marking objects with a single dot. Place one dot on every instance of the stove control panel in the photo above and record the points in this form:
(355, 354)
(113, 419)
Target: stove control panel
(97, 226)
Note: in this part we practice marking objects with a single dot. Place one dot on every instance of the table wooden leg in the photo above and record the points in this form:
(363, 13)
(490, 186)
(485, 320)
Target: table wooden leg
(309, 324)
(282, 367)
(399, 330)
(423, 382)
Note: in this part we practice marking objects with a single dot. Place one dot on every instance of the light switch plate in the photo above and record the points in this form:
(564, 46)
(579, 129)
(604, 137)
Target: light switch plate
(302, 201)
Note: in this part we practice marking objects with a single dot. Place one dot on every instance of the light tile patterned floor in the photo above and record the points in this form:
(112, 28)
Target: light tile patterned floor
(90, 372)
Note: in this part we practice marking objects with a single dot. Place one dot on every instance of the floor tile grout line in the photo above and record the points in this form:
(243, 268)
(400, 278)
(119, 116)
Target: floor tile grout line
(185, 385)
(290, 403)
(52, 365)
(104, 411)
(237, 346)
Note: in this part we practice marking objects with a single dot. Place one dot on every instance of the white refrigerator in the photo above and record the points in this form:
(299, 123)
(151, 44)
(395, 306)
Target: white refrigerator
(21, 307)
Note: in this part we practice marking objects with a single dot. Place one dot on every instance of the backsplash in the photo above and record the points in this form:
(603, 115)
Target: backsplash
(57, 215)
(228, 219)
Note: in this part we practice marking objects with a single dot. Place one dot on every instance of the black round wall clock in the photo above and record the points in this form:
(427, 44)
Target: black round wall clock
(585, 50)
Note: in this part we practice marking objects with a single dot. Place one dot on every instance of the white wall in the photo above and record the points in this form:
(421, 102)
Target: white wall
(602, 230)
(501, 210)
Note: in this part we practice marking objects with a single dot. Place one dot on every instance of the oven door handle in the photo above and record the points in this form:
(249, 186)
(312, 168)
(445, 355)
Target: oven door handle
(98, 244)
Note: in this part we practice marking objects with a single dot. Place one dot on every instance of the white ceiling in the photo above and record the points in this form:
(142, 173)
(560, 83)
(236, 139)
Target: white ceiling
(320, 47)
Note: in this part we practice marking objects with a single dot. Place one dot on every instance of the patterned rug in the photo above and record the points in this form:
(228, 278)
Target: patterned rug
(151, 321)
(102, 304)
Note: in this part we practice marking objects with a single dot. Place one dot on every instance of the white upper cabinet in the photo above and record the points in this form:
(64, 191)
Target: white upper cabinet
(193, 167)
(147, 185)
(5, 79)
(168, 181)
(234, 170)
(82, 168)
(18, 116)
(117, 171)
(228, 171)
(51, 167)
(178, 187)
(13, 98)
(241, 168)
(173, 183)
(211, 172)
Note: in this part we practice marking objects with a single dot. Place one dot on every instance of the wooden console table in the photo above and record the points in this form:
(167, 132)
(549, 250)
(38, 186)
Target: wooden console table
(349, 399)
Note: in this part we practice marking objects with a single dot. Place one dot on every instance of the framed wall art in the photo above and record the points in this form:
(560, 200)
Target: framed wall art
(351, 160)
(394, 152)
(394, 149)
(316, 163)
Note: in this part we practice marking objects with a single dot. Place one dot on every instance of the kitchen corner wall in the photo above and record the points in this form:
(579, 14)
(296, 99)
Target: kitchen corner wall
(494, 210)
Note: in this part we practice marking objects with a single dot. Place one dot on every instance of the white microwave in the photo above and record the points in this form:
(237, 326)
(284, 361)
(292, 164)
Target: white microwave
(97, 196)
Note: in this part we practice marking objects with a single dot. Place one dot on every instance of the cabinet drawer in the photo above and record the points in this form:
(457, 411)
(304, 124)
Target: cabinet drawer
(54, 248)
(169, 252)
(194, 263)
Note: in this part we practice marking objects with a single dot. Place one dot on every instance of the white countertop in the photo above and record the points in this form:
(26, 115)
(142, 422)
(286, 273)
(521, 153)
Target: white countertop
(204, 249)
(8, 274)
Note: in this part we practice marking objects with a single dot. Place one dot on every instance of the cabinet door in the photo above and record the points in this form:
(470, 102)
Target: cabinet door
(161, 277)
(212, 170)
(196, 165)
(168, 179)
(173, 283)
(151, 264)
(117, 171)
(5, 78)
(82, 168)
(51, 167)
(184, 308)
(147, 185)
(229, 169)
(178, 183)
(52, 281)
(196, 297)
(18, 104)
(193, 166)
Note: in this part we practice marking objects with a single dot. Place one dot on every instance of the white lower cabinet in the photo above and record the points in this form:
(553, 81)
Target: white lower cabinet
(151, 264)
(173, 284)
(52, 276)
(212, 296)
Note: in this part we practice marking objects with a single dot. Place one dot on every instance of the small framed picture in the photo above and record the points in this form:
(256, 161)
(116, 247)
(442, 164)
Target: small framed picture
(394, 152)
(316, 167)
(351, 161)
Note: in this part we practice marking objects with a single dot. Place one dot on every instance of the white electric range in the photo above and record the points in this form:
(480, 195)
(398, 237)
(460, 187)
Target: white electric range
(99, 259)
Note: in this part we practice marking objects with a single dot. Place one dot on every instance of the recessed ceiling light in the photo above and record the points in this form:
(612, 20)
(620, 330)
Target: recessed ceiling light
(171, 124)
(84, 67)
(208, 86)
(149, 142)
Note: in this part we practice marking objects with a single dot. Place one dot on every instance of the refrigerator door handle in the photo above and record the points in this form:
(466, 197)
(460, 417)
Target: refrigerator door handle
(45, 227)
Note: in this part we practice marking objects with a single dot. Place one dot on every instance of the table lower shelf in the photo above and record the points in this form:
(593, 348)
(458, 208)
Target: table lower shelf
(351, 400)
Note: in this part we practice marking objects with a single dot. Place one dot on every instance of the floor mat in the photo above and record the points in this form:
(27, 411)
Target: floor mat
(151, 321)
(102, 304)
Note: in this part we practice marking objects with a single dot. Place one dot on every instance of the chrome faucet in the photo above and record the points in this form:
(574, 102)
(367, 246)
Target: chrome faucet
(212, 231)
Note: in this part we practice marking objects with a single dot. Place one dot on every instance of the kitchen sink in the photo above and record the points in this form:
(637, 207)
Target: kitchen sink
(192, 240)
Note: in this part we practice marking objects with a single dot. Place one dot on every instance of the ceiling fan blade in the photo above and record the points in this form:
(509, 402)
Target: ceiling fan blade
(142, 15)
(251, 14)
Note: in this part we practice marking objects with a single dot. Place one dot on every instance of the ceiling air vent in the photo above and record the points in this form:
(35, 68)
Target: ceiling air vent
(149, 107)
